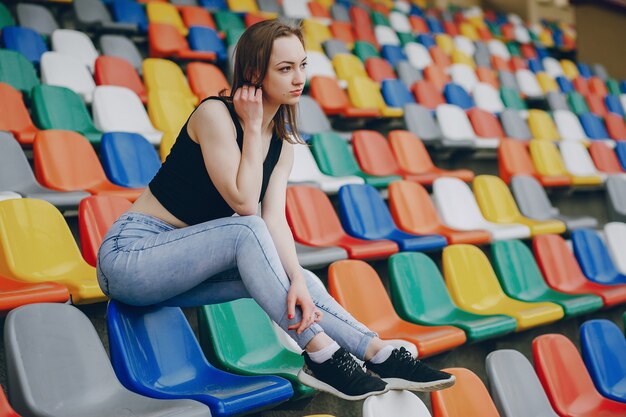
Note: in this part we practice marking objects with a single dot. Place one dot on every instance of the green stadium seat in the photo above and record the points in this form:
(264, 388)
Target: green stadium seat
(17, 71)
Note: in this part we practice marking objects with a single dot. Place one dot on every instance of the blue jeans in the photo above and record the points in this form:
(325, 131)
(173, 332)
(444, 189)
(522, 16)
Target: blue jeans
(146, 261)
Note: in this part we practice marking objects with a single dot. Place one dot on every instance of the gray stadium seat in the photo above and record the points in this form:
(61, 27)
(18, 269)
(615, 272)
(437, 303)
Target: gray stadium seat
(184, 2)
(507, 80)
(333, 47)
(515, 387)
(269, 6)
(16, 175)
(534, 203)
(92, 15)
(36, 17)
(420, 121)
(315, 120)
(556, 101)
(121, 47)
(514, 126)
(600, 71)
(339, 13)
(481, 55)
(57, 366)
(407, 73)
(317, 257)
(616, 197)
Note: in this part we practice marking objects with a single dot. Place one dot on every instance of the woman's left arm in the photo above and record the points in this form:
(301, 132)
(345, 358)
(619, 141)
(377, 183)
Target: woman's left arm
(273, 213)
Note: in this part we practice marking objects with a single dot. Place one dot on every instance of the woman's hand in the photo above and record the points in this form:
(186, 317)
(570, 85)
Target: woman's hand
(298, 295)
(248, 102)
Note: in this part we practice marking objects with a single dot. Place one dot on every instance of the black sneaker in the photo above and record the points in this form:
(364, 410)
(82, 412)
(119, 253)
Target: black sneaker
(341, 376)
(402, 371)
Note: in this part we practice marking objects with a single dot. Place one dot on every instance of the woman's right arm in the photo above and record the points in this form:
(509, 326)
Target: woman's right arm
(237, 175)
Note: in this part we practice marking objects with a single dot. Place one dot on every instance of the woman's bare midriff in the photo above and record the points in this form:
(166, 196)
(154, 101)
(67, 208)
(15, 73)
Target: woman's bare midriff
(148, 204)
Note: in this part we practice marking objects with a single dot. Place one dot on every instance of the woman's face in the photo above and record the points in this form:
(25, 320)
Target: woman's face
(285, 76)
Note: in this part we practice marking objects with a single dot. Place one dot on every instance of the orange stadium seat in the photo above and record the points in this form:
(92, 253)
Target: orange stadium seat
(166, 41)
(14, 116)
(468, 397)
(605, 158)
(111, 70)
(334, 100)
(427, 94)
(206, 79)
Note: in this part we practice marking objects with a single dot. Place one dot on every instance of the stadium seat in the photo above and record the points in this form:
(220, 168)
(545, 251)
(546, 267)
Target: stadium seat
(17, 176)
(486, 126)
(420, 121)
(385, 35)
(417, 54)
(512, 100)
(14, 116)
(515, 387)
(468, 396)
(38, 246)
(321, 226)
(594, 127)
(165, 13)
(365, 215)
(164, 75)
(565, 85)
(318, 64)
(596, 105)
(65, 160)
(334, 100)
(420, 296)
(458, 131)
(311, 257)
(250, 349)
(436, 75)
(25, 41)
(615, 126)
(348, 66)
(365, 94)
(459, 210)
(534, 203)
(92, 15)
(193, 15)
(296, 9)
(205, 39)
(96, 214)
(615, 192)
(465, 76)
(498, 205)
(514, 160)
(414, 160)
(548, 161)
(488, 98)
(521, 279)
(427, 95)
(474, 287)
(118, 109)
(570, 70)
(17, 71)
(228, 21)
(245, 6)
(44, 344)
(604, 158)
(603, 345)
(65, 71)
(112, 70)
(14, 294)
(562, 272)
(121, 47)
(315, 120)
(614, 105)
(77, 44)
(566, 381)
(594, 258)
(61, 108)
(354, 284)
(395, 403)
(455, 94)
(569, 127)
(515, 127)
(305, 170)
(168, 111)
(498, 48)
(342, 31)
(552, 66)
(130, 13)
(206, 79)
(362, 50)
(395, 93)
(556, 101)
(577, 103)
(128, 159)
(542, 126)
(36, 17)
(615, 235)
(578, 162)
(334, 158)
(151, 367)
(166, 41)
(528, 84)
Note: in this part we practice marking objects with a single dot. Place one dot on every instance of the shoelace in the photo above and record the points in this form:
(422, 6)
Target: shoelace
(347, 364)
(404, 355)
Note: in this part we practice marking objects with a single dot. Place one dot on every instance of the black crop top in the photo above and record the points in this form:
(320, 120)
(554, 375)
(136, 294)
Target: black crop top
(183, 186)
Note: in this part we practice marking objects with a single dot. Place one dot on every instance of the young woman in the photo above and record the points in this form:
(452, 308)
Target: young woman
(180, 245)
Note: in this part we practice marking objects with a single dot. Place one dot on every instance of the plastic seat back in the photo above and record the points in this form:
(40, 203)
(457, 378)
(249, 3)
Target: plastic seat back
(436, 75)
(528, 84)
(577, 160)
(329, 95)
(395, 93)
(565, 84)
(513, 160)
(112, 70)
(348, 66)
(365, 94)
(17, 71)
(365, 50)
(333, 155)
(455, 94)
(25, 41)
(614, 105)
(594, 128)
(455, 124)
(207, 39)
(569, 126)
(315, 120)
(485, 124)
(547, 82)
(14, 116)
(206, 79)
(128, 159)
(456, 204)
(165, 13)
(488, 98)
(427, 95)
(615, 236)
(410, 152)
(318, 64)
(512, 99)
(420, 121)
(531, 198)
(36, 17)
(594, 258)
(130, 12)
(77, 44)
(396, 403)
(374, 153)
(464, 76)
(65, 71)
(121, 47)
(311, 216)
(495, 199)
(514, 126)
(547, 158)
(616, 188)
(615, 126)
(165, 75)
(515, 387)
(96, 214)
(605, 158)
(418, 55)
(393, 53)
(603, 345)
(541, 125)
(364, 213)
(168, 112)
(468, 396)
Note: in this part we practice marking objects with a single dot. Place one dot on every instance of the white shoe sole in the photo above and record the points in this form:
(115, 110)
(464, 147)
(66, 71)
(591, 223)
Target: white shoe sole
(403, 384)
(313, 382)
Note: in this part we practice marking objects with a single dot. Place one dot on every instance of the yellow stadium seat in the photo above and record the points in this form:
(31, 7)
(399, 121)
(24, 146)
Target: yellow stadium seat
(468, 30)
(347, 66)
(365, 94)
(477, 21)
(166, 13)
(548, 161)
(474, 287)
(243, 6)
(459, 57)
(36, 245)
(545, 37)
(546, 82)
(570, 70)
(542, 126)
(168, 111)
(315, 30)
(164, 75)
(326, 3)
(498, 205)
(445, 42)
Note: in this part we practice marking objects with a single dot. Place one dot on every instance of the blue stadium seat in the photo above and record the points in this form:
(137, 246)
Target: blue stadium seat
(620, 151)
(395, 93)
(622, 86)
(594, 258)
(393, 54)
(128, 159)
(155, 353)
(212, 5)
(455, 94)
(565, 84)
(535, 65)
(206, 39)
(603, 347)
(434, 24)
(541, 52)
(25, 41)
(584, 70)
(594, 126)
(129, 11)
(365, 215)
(613, 104)
(426, 39)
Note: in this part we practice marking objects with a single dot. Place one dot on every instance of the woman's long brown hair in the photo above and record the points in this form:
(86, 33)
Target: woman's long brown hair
(252, 57)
